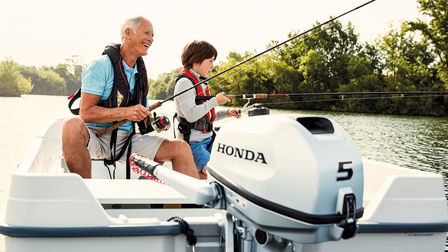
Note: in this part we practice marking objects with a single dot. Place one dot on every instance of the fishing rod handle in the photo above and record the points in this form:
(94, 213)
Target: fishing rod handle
(208, 97)
(118, 124)
(155, 105)
(109, 129)
(248, 96)
(238, 96)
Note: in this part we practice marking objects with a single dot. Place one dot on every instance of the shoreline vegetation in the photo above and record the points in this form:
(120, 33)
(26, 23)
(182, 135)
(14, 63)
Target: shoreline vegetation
(412, 57)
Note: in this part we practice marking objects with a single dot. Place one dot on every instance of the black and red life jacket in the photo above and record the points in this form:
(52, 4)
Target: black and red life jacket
(205, 123)
(120, 95)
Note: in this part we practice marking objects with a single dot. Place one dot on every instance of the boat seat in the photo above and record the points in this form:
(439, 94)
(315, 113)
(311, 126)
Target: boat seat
(122, 191)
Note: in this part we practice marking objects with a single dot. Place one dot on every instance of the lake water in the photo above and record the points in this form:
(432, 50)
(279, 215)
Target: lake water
(413, 142)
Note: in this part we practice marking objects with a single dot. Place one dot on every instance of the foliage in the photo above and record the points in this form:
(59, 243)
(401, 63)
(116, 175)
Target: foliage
(331, 59)
(163, 87)
(434, 32)
(409, 65)
(45, 80)
(64, 79)
(267, 74)
(71, 71)
(12, 83)
(412, 57)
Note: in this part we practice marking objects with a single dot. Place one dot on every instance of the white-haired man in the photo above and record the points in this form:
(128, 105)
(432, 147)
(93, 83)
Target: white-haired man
(115, 88)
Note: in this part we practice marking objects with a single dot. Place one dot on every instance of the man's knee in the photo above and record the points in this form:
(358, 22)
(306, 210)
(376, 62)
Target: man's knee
(176, 148)
(72, 123)
(182, 147)
(73, 130)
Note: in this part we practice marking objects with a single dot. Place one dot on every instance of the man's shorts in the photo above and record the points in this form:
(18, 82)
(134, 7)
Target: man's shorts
(99, 147)
(201, 153)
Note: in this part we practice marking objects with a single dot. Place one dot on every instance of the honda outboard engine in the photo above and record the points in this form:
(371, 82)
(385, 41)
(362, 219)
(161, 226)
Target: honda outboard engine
(288, 178)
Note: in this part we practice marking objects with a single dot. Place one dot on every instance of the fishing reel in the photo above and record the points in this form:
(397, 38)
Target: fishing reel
(160, 123)
(257, 109)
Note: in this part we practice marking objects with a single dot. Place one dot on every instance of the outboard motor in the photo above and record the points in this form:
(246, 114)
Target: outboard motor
(284, 179)
(288, 178)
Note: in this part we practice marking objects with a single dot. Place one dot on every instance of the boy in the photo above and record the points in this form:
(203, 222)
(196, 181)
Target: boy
(196, 118)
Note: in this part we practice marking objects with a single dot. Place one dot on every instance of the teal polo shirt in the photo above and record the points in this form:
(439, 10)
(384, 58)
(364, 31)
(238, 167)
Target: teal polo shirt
(98, 79)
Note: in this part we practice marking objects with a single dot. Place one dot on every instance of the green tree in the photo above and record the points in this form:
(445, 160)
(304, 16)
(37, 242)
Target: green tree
(266, 74)
(410, 64)
(163, 86)
(435, 31)
(407, 61)
(323, 55)
(229, 82)
(324, 59)
(12, 83)
(48, 82)
(71, 71)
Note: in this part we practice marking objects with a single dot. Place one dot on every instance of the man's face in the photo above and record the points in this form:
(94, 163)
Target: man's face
(142, 39)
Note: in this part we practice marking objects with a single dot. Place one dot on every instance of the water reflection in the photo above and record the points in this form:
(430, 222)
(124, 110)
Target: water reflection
(409, 141)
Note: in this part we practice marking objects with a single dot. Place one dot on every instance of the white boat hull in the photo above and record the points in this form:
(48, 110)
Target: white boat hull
(48, 209)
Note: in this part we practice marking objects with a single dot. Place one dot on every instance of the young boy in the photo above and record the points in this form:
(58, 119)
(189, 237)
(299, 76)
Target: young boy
(196, 118)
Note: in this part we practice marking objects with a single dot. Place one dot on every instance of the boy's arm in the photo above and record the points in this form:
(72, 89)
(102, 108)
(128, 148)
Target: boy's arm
(189, 109)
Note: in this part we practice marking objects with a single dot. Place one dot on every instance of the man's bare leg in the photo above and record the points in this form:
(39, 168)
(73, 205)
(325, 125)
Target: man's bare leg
(180, 155)
(75, 138)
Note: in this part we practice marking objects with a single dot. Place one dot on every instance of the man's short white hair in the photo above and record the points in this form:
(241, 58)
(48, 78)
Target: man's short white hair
(130, 23)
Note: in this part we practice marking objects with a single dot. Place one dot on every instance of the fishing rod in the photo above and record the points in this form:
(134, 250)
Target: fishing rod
(159, 103)
(347, 99)
(263, 96)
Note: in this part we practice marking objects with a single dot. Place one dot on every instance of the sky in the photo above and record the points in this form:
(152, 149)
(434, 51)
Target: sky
(47, 32)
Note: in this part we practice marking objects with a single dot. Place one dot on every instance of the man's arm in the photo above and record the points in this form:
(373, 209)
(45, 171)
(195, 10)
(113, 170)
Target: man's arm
(92, 113)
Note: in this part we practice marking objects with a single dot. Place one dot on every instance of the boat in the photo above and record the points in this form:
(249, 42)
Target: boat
(276, 183)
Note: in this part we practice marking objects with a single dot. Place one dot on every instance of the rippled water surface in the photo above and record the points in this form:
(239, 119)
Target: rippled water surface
(412, 142)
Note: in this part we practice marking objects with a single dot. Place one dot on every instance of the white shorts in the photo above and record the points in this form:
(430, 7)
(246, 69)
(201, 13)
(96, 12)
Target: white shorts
(99, 147)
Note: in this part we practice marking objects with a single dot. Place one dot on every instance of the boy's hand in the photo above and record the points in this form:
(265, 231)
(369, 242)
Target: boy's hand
(234, 112)
(221, 98)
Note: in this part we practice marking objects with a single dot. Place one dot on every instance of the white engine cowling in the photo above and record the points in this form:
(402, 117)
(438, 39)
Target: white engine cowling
(285, 174)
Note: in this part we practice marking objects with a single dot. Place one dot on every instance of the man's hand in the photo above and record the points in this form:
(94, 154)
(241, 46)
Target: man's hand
(221, 98)
(137, 113)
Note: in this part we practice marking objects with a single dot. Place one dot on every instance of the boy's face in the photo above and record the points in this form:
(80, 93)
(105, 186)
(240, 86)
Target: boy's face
(205, 67)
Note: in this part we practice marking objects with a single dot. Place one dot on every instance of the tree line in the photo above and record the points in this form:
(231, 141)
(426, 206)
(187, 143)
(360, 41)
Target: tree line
(63, 79)
(412, 57)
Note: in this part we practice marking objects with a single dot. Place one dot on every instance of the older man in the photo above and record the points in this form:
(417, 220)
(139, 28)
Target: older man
(114, 88)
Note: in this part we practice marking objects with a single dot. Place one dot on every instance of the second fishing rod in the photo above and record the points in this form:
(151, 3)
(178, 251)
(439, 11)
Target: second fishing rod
(264, 96)
(159, 103)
